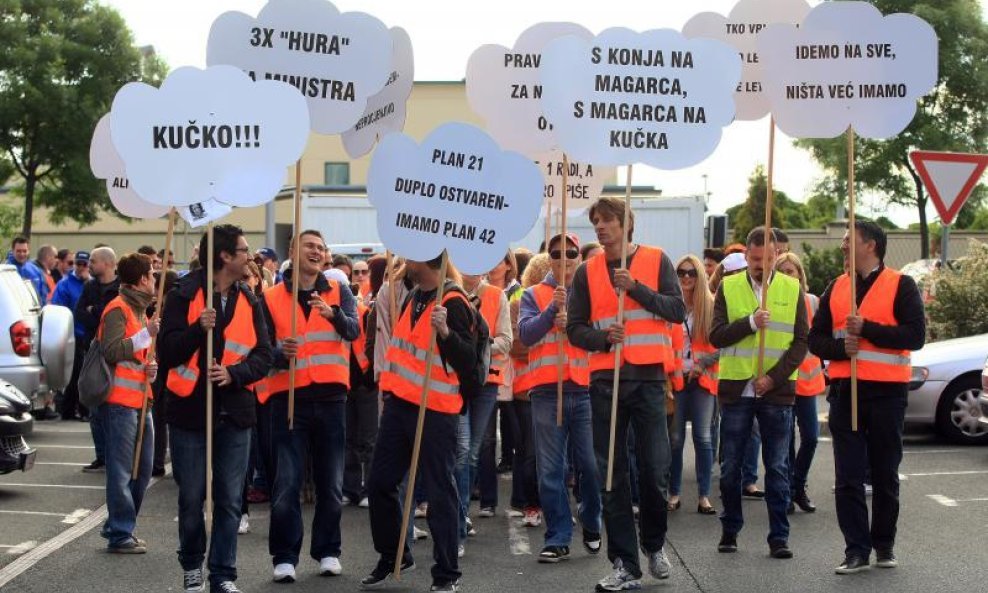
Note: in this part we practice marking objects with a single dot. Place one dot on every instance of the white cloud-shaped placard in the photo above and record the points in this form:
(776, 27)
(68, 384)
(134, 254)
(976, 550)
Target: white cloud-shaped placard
(105, 164)
(584, 184)
(504, 87)
(848, 65)
(456, 191)
(740, 30)
(337, 61)
(386, 110)
(626, 97)
(208, 134)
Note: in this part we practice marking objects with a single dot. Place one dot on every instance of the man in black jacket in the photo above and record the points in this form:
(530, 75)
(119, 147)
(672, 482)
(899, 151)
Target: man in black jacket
(241, 357)
(889, 323)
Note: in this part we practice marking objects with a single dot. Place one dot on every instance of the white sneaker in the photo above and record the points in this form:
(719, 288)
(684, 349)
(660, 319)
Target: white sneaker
(364, 503)
(533, 518)
(418, 534)
(515, 513)
(284, 573)
(461, 551)
(330, 567)
(422, 511)
(244, 524)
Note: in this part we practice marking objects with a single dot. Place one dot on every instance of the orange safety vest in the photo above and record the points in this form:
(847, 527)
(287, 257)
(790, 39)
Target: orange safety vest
(490, 310)
(359, 345)
(810, 381)
(129, 377)
(708, 377)
(523, 381)
(239, 339)
(543, 356)
(874, 363)
(323, 356)
(647, 336)
(407, 360)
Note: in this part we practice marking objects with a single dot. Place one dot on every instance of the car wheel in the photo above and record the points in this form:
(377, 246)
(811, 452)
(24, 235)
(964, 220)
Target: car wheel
(958, 412)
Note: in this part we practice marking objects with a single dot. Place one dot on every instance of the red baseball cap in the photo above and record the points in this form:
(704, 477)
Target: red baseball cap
(571, 237)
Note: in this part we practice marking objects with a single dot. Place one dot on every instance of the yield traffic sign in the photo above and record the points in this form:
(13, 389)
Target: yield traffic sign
(949, 178)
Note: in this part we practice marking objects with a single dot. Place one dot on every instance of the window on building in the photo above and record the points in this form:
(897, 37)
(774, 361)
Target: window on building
(337, 174)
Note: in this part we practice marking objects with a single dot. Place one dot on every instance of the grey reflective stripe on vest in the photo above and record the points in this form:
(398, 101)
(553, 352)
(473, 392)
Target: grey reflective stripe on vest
(128, 384)
(647, 340)
(320, 359)
(410, 375)
(329, 336)
(810, 375)
(239, 349)
(134, 366)
(840, 334)
(751, 352)
(553, 360)
(779, 326)
(633, 315)
(414, 350)
(551, 338)
(186, 373)
(881, 357)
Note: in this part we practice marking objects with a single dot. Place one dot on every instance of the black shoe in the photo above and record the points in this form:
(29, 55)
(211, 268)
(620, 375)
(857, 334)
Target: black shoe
(553, 554)
(803, 501)
(852, 564)
(46, 414)
(706, 510)
(504, 467)
(450, 587)
(885, 559)
(591, 542)
(157, 472)
(728, 543)
(755, 494)
(382, 572)
(791, 509)
(98, 465)
(780, 549)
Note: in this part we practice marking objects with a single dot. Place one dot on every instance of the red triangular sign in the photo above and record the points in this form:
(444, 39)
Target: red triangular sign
(949, 178)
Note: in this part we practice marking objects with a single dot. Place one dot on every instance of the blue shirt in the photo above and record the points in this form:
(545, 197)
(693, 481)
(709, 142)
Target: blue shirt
(67, 293)
(31, 273)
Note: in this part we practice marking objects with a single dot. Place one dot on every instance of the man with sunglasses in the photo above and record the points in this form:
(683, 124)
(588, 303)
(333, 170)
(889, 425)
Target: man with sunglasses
(541, 326)
(653, 299)
(67, 294)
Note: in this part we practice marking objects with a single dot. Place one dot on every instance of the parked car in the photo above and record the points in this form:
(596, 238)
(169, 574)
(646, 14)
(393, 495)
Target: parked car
(37, 352)
(948, 389)
(983, 400)
(16, 422)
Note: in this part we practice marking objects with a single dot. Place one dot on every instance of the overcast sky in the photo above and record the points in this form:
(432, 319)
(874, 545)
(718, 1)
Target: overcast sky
(445, 32)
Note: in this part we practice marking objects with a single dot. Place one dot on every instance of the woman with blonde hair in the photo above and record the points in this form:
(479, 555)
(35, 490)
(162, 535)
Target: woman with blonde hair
(809, 384)
(694, 382)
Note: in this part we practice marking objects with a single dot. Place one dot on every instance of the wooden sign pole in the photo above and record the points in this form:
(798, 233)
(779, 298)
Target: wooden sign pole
(852, 272)
(561, 350)
(295, 281)
(766, 273)
(207, 293)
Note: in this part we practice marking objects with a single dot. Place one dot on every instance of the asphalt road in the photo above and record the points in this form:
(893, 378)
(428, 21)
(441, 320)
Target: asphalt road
(943, 532)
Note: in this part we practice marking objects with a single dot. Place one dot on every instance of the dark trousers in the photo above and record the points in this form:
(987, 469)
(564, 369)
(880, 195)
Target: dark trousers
(437, 462)
(524, 479)
(509, 428)
(160, 425)
(69, 405)
(877, 445)
(361, 431)
(487, 464)
(641, 404)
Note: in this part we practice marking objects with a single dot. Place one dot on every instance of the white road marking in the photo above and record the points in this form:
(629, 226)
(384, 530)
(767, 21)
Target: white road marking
(60, 463)
(69, 519)
(518, 538)
(80, 428)
(76, 516)
(70, 486)
(825, 439)
(973, 472)
(63, 446)
(982, 499)
(931, 451)
(38, 513)
(21, 547)
(947, 502)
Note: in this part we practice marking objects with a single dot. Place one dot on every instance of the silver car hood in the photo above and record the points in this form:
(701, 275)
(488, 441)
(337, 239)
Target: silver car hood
(953, 356)
(57, 349)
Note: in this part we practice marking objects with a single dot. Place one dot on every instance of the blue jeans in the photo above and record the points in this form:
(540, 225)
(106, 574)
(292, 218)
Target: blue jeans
(123, 495)
(551, 459)
(98, 432)
(641, 404)
(775, 424)
(696, 406)
(320, 435)
(804, 415)
(470, 436)
(749, 471)
(231, 449)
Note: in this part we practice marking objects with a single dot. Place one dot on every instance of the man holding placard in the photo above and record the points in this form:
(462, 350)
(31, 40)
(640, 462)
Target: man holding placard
(541, 325)
(754, 388)
(652, 299)
(889, 324)
(452, 354)
(240, 339)
(327, 315)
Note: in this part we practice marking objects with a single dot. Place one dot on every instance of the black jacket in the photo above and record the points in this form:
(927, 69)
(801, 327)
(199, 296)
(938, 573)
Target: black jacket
(89, 309)
(178, 338)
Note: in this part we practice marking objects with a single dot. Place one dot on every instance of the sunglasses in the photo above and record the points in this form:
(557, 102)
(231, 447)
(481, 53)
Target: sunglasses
(360, 272)
(84, 264)
(686, 273)
(570, 254)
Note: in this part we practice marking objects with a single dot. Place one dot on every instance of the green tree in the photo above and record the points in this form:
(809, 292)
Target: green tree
(960, 305)
(62, 63)
(786, 214)
(953, 117)
(821, 267)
